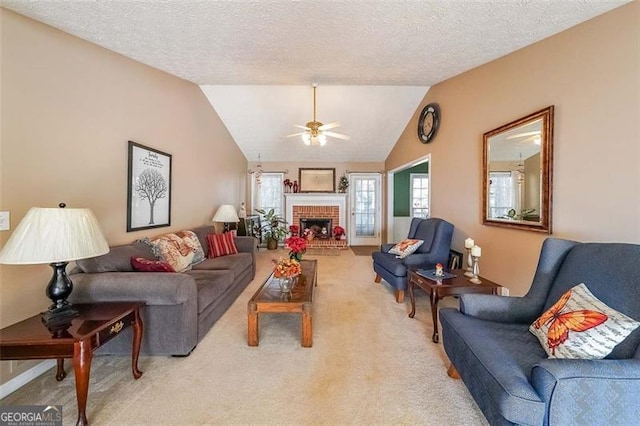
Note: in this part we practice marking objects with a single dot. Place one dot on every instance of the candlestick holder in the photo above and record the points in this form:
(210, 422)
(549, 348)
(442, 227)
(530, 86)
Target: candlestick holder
(469, 272)
(475, 271)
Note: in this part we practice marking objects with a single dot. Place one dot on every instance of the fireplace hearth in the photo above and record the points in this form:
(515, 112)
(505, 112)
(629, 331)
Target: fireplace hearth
(321, 227)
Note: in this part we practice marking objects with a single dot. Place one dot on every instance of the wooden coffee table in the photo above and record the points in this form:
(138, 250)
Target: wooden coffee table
(96, 324)
(448, 287)
(269, 299)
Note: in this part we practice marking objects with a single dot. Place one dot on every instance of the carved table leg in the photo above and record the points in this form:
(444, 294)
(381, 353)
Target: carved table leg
(138, 329)
(60, 373)
(253, 335)
(434, 313)
(412, 299)
(307, 330)
(82, 356)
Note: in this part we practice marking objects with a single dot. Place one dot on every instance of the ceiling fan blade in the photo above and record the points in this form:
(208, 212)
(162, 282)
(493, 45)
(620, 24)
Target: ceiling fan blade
(295, 134)
(329, 126)
(337, 135)
(301, 127)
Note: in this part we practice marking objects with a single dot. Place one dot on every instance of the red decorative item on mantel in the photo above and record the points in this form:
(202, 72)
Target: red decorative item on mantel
(295, 186)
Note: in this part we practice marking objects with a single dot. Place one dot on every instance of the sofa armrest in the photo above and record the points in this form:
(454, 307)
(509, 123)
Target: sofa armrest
(153, 288)
(603, 391)
(505, 309)
(246, 244)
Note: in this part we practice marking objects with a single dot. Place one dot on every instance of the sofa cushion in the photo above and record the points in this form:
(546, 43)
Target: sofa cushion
(221, 244)
(406, 247)
(210, 284)
(234, 262)
(117, 260)
(173, 250)
(140, 264)
(580, 326)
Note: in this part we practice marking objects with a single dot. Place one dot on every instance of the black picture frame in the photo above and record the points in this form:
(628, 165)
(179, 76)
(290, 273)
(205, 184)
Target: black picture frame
(148, 188)
(317, 179)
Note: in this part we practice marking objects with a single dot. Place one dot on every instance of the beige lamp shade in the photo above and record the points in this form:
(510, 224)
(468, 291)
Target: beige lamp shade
(50, 235)
(226, 213)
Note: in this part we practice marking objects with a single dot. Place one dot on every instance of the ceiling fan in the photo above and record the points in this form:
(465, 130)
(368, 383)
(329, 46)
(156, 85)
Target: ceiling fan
(315, 133)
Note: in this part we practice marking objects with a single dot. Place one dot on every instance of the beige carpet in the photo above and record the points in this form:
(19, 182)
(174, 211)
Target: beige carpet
(369, 364)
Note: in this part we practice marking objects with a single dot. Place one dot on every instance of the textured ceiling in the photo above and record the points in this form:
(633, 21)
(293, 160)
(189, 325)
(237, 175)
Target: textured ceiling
(335, 43)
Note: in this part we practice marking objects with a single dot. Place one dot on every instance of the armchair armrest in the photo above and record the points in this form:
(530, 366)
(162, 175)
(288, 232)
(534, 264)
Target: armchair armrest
(420, 260)
(604, 391)
(386, 247)
(153, 288)
(505, 309)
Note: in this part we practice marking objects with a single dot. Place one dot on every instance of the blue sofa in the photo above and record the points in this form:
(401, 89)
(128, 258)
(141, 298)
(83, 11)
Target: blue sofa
(507, 370)
(436, 234)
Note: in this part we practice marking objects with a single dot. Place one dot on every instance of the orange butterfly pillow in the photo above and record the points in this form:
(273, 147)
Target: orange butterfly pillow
(581, 326)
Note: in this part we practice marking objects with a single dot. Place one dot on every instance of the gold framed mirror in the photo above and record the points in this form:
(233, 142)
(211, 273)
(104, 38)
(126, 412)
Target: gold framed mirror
(518, 173)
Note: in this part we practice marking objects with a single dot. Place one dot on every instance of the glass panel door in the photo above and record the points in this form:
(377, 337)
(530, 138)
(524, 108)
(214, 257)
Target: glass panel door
(365, 201)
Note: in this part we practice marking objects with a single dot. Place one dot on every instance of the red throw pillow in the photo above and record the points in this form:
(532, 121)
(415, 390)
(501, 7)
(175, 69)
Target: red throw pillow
(145, 265)
(221, 244)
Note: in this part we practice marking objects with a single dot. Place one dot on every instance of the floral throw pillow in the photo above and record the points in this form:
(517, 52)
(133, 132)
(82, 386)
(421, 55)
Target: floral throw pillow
(581, 326)
(173, 250)
(405, 247)
(141, 264)
(191, 240)
(221, 244)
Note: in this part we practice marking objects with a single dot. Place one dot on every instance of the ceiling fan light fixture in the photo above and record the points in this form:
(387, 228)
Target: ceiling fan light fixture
(322, 139)
(306, 138)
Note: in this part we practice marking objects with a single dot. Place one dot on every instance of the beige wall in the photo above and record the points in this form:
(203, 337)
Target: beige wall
(68, 110)
(591, 73)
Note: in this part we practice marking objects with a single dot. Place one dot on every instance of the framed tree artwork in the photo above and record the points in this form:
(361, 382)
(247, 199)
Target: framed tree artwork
(148, 188)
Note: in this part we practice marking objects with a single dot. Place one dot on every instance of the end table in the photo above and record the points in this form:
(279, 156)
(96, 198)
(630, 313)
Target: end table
(97, 324)
(437, 289)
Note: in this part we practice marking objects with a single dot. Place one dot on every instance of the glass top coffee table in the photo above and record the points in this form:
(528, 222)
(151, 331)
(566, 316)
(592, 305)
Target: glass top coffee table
(270, 299)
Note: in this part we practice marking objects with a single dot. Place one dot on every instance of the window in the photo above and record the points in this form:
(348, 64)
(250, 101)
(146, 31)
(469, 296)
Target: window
(501, 194)
(268, 193)
(419, 195)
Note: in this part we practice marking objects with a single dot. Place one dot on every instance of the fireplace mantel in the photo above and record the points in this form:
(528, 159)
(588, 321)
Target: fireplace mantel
(316, 199)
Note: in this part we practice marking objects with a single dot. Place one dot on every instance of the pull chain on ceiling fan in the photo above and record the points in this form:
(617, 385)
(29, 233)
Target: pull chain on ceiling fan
(315, 133)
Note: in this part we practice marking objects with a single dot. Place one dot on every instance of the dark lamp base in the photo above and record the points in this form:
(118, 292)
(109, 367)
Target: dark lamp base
(58, 320)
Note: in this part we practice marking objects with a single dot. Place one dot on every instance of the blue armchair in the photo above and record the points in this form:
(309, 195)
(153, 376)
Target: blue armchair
(436, 234)
(506, 369)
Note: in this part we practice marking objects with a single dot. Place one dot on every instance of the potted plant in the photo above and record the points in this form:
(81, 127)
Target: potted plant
(274, 228)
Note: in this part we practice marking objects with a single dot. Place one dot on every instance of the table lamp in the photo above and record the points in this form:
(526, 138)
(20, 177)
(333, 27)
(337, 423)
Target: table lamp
(226, 213)
(55, 236)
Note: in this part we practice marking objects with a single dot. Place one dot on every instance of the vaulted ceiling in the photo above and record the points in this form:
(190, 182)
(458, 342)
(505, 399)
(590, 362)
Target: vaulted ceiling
(256, 60)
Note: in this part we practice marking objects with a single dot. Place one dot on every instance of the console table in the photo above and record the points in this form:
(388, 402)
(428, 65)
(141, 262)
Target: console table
(437, 289)
(97, 324)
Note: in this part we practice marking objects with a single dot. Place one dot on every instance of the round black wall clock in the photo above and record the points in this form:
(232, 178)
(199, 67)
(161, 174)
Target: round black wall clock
(428, 123)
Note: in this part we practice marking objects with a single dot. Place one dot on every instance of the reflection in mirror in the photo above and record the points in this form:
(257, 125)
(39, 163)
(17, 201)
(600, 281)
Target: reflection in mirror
(518, 173)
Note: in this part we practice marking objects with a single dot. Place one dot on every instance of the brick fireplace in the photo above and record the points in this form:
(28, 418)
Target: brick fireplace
(316, 209)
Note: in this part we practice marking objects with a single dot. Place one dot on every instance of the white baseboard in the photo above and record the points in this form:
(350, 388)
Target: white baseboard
(24, 378)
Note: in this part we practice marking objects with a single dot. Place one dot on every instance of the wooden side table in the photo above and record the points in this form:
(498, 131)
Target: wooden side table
(443, 288)
(97, 324)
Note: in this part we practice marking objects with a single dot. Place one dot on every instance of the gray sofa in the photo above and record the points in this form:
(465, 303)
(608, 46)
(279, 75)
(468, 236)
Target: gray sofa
(505, 367)
(180, 307)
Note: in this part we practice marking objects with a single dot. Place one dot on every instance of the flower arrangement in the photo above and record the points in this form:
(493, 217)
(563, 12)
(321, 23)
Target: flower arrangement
(294, 230)
(338, 232)
(287, 185)
(286, 268)
(297, 247)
